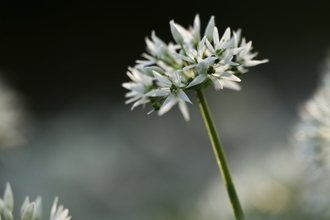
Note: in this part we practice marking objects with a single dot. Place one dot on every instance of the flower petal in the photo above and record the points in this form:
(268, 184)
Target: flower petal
(226, 36)
(180, 56)
(230, 85)
(142, 101)
(158, 92)
(209, 29)
(197, 27)
(201, 67)
(250, 63)
(210, 59)
(215, 36)
(149, 70)
(216, 82)
(168, 104)
(209, 46)
(189, 67)
(162, 79)
(237, 37)
(176, 33)
(184, 110)
(182, 95)
(199, 79)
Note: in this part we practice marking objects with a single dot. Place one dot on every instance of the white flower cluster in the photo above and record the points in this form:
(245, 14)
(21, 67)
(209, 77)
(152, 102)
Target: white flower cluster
(29, 210)
(313, 132)
(193, 62)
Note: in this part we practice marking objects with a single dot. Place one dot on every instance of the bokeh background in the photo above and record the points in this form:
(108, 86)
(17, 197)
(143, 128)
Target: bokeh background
(65, 130)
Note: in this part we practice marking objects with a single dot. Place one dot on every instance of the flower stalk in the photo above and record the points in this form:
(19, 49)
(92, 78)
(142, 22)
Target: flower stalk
(219, 155)
(193, 63)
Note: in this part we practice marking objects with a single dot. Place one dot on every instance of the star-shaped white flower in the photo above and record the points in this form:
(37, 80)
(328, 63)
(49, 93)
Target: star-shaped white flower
(192, 56)
(170, 87)
(223, 48)
(59, 213)
(219, 74)
(139, 86)
(244, 56)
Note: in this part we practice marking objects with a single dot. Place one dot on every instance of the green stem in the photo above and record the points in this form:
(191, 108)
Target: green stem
(219, 154)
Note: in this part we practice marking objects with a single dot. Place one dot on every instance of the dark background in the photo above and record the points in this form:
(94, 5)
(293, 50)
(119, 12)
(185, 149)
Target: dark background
(59, 52)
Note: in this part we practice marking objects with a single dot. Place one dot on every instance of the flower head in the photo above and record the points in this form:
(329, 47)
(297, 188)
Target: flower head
(313, 131)
(193, 62)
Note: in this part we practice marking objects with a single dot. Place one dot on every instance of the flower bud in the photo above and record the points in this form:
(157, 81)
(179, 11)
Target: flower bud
(4, 211)
(209, 29)
(8, 197)
(25, 204)
(176, 33)
(197, 28)
(28, 213)
(38, 209)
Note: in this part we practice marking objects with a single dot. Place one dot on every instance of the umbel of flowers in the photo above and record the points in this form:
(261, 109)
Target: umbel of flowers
(313, 131)
(194, 61)
(29, 210)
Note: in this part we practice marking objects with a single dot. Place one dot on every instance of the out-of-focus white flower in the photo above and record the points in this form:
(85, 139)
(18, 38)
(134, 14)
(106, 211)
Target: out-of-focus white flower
(313, 131)
(59, 213)
(8, 197)
(196, 60)
(29, 210)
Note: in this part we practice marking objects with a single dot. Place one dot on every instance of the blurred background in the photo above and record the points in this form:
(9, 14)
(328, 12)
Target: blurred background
(65, 130)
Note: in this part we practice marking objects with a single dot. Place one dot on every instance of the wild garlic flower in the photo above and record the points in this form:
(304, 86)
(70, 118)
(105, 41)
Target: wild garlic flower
(29, 210)
(140, 85)
(170, 88)
(313, 131)
(193, 62)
